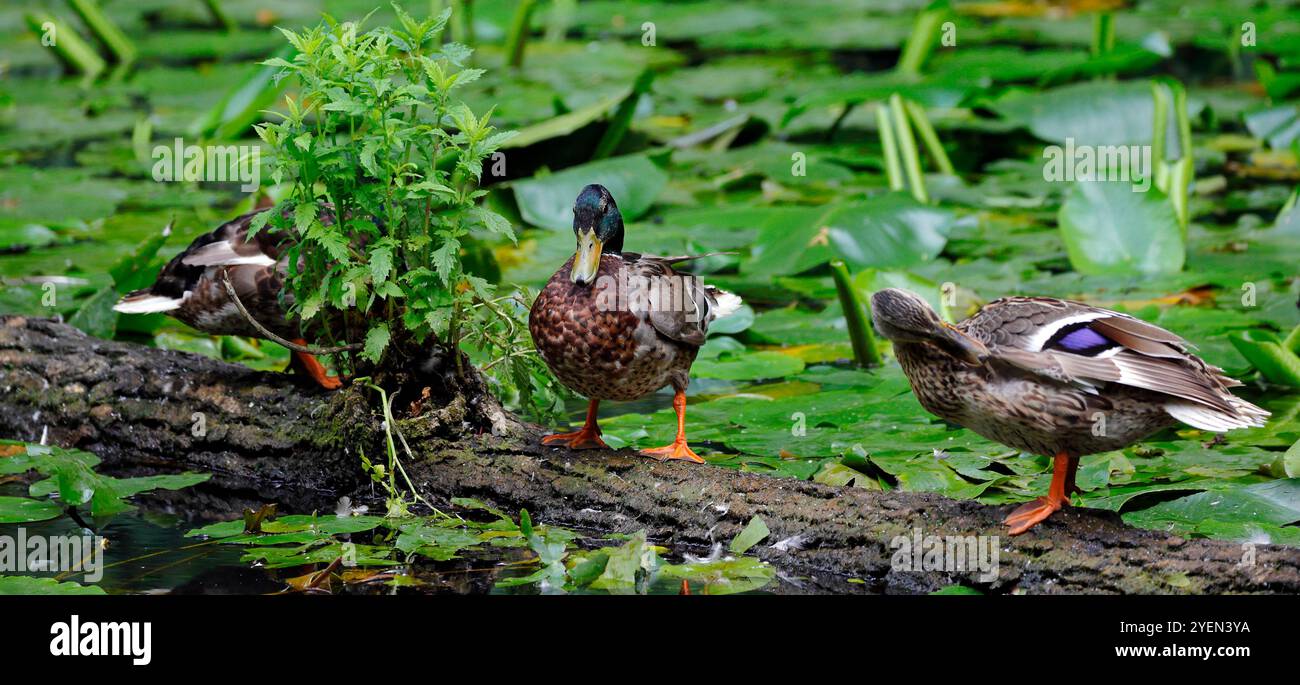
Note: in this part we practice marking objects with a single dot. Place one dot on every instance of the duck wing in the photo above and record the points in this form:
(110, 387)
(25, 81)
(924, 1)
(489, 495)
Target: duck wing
(677, 304)
(253, 266)
(1090, 347)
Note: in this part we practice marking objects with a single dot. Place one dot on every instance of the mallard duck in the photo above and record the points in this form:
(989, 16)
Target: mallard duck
(615, 325)
(1057, 378)
(191, 288)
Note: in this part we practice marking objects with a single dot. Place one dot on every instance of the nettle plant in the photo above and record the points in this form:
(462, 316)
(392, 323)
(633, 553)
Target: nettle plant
(384, 164)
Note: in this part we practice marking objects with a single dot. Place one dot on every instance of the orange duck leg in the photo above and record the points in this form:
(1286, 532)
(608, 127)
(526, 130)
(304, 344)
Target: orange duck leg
(586, 438)
(1058, 495)
(311, 366)
(678, 449)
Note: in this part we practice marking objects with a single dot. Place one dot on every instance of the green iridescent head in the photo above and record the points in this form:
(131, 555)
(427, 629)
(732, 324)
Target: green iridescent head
(598, 227)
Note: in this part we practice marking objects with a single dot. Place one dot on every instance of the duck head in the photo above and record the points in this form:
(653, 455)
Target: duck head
(905, 317)
(598, 227)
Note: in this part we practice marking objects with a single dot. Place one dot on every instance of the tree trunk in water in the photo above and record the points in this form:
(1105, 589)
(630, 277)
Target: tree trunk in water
(271, 437)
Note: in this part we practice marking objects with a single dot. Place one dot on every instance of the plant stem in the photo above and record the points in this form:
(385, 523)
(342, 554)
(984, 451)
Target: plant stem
(1103, 33)
(622, 119)
(75, 52)
(839, 120)
(889, 147)
(559, 19)
(857, 314)
(907, 148)
(462, 21)
(105, 30)
(395, 464)
(1185, 173)
(930, 137)
(230, 290)
(1159, 130)
(921, 42)
(219, 15)
(1292, 341)
(517, 38)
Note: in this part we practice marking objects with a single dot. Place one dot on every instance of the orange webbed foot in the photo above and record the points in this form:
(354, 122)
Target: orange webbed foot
(1058, 495)
(577, 440)
(587, 438)
(1029, 515)
(678, 450)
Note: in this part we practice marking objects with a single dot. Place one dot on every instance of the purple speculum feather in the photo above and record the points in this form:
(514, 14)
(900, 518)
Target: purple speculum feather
(1082, 339)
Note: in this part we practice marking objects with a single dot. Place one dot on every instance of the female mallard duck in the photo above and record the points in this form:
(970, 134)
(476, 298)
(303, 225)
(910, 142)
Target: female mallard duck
(191, 288)
(615, 325)
(1056, 378)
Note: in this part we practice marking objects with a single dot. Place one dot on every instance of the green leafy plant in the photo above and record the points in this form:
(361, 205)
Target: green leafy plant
(557, 564)
(384, 164)
(71, 477)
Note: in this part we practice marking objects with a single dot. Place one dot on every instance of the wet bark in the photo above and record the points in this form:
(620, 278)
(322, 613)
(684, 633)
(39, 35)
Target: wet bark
(270, 437)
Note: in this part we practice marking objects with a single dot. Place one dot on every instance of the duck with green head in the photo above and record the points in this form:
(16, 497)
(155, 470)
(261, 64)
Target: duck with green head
(617, 325)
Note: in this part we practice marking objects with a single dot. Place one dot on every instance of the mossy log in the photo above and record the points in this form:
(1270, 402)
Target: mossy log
(267, 436)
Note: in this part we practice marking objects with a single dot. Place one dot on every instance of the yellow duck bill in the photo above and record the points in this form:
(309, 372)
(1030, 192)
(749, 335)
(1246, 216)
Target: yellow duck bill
(586, 260)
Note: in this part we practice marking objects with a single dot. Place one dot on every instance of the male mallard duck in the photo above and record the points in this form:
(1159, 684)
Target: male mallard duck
(1057, 378)
(191, 288)
(615, 325)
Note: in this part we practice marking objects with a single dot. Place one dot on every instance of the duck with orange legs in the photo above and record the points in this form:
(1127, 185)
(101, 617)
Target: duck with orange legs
(1056, 378)
(618, 325)
(192, 288)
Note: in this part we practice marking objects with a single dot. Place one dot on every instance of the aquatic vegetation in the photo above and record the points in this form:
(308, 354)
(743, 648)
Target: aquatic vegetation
(400, 550)
(71, 481)
(793, 139)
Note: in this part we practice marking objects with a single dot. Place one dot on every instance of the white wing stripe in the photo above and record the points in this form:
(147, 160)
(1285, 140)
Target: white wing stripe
(1042, 335)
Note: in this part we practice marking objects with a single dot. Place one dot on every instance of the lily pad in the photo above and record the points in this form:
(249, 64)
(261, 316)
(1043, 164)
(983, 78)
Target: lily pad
(28, 585)
(547, 201)
(24, 510)
(1275, 502)
(890, 231)
(1109, 229)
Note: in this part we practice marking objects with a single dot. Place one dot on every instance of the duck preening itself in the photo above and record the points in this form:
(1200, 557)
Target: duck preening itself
(191, 288)
(616, 325)
(1057, 378)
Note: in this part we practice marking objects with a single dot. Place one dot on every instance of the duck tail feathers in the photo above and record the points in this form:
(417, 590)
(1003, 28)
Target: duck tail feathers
(728, 303)
(146, 302)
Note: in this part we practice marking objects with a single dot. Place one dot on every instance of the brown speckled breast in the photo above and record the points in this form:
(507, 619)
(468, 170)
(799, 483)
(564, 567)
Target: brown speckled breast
(603, 352)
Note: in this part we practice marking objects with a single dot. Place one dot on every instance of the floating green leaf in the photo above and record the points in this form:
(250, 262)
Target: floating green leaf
(1269, 355)
(1110, 228)
(753, 533)
(24, 510)
(889, 231)
(547, 201)
(28, 585)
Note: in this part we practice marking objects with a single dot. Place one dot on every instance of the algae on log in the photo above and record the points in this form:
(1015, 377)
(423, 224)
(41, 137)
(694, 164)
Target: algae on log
(270, 437)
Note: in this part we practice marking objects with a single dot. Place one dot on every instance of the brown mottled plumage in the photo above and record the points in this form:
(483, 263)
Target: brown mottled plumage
(1056, 378)
(611, 353)
(616, 325)
(191, 288)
